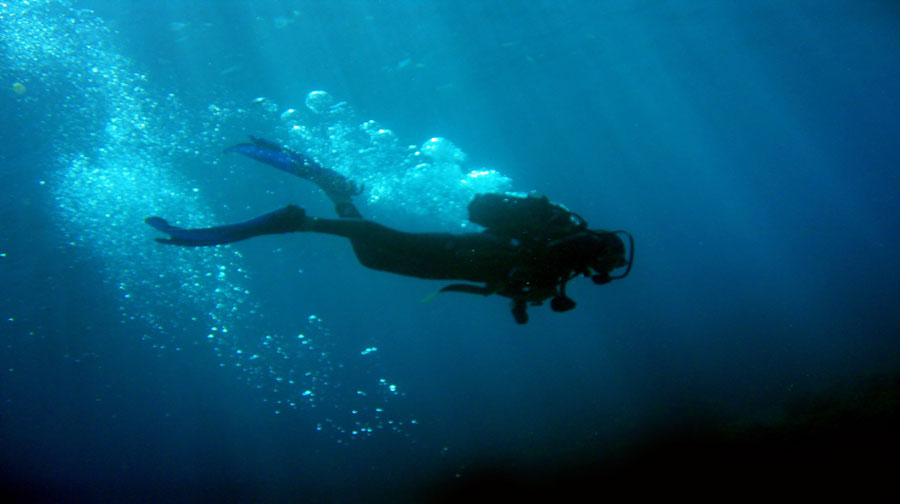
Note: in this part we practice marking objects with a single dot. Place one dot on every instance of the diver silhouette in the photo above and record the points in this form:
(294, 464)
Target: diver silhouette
(529, 250)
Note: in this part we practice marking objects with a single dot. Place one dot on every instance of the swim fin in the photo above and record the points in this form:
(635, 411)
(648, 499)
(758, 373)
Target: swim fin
(335, 185)
(284, 220)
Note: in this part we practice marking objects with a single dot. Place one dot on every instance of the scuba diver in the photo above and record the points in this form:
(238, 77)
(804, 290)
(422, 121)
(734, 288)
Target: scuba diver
(529, 250)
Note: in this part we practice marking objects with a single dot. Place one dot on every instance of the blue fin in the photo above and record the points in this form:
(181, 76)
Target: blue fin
(283, 220)
(271, 157)
(335, 185)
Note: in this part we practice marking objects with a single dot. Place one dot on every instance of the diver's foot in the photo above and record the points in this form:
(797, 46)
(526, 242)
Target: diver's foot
(289, 219)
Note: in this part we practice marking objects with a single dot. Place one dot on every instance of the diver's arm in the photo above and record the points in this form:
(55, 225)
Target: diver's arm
(284, 220)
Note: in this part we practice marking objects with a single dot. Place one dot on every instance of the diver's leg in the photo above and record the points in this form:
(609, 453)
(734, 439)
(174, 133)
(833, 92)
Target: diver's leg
(285, 220)
(376, 246)
(475, 257)
(379, 247)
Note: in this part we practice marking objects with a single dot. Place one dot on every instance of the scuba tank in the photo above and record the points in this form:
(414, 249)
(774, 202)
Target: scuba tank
(523, 217)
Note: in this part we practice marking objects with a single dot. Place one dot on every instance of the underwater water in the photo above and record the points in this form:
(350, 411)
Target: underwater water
(750, 147)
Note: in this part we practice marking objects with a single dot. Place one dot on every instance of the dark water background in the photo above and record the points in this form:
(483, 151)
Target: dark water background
(750, 147)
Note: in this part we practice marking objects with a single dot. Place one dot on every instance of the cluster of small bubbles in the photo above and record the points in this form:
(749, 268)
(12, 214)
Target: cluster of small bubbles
(390, 386)
(115, 155)
(379, 136)
(430, 180)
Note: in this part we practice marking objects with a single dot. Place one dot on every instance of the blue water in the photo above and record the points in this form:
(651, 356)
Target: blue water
(750, 147)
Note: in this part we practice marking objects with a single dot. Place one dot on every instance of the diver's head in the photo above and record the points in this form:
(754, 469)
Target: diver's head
(595, 249)
(610, 251)
(610, 255)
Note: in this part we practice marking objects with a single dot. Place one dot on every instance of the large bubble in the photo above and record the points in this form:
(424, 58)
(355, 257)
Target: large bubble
(319, 101)
(441, 150)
